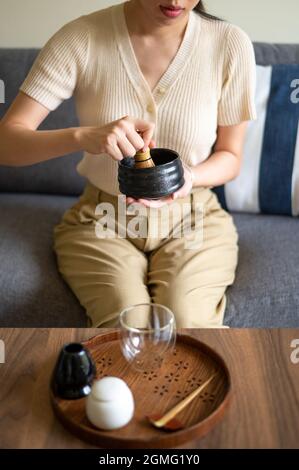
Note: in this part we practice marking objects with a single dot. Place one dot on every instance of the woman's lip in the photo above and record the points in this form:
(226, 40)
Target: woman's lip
(171, 12)
(172, 7)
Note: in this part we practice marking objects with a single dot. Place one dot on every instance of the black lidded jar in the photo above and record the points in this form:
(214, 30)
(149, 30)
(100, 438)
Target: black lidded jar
(74, 372)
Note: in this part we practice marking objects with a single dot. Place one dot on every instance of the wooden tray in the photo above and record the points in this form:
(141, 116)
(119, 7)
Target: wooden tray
(189, 365)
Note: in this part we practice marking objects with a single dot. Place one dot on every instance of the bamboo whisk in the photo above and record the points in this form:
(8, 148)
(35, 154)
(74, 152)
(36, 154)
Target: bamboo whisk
(144, 159)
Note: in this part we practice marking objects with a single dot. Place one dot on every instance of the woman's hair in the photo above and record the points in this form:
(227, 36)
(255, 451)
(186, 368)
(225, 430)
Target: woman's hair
(201, 10)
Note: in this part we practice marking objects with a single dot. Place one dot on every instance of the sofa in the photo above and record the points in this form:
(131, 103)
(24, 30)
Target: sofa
(33, 199)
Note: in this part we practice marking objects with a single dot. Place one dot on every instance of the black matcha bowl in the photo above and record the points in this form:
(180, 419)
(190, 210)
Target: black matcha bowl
(74, 372)
(152, 183)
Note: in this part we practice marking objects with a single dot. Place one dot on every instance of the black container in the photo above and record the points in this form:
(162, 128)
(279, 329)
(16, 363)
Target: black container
(74, 372)
(152, 183)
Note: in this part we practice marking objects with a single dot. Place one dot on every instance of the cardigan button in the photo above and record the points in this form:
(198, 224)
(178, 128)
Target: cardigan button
(150, 109)
(161, 91)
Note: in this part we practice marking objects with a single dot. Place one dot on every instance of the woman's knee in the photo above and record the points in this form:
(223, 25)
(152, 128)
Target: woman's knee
(201, 309)
(104, 309)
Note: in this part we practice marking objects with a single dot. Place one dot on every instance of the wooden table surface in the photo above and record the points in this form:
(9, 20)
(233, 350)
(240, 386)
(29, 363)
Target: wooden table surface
(264, 412)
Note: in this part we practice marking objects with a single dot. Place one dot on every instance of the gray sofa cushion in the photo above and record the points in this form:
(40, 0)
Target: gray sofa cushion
(58, 176)
(266, 290)
(265, 294)
(32, 291)
(271, 54)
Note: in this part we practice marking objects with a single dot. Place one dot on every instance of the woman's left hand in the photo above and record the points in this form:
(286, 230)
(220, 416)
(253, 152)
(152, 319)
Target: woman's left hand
(184, 191)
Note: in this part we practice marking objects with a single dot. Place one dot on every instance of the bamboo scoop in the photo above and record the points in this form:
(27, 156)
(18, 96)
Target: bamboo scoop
(167, 421)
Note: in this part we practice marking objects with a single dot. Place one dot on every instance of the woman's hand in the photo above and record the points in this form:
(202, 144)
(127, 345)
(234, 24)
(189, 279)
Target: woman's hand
(184, 191)
(118, 139)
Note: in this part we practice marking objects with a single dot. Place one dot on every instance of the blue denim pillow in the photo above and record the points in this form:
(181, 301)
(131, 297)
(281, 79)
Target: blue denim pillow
(269, 179)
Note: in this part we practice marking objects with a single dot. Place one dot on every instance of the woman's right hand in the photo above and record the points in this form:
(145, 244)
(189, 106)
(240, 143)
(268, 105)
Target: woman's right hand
(119, 139)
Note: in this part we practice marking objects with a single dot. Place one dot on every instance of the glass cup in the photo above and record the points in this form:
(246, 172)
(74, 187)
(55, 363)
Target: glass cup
(148, 335)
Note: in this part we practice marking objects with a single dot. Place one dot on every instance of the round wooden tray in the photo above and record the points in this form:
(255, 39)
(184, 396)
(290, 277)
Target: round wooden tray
(155, 392)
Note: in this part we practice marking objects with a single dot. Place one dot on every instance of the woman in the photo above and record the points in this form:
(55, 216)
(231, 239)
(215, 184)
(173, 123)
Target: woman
(160, 73)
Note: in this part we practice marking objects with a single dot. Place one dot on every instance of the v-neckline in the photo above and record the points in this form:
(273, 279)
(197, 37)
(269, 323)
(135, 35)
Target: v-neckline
(131, 63)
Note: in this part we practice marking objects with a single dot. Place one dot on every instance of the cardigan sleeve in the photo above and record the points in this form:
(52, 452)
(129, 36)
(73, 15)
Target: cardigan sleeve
(57, 68)
(237, 100)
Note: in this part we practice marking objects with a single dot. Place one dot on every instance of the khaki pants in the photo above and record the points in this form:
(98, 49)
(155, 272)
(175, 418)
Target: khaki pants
(108, 274)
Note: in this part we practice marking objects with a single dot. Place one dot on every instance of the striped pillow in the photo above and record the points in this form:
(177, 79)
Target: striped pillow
(269, 178)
